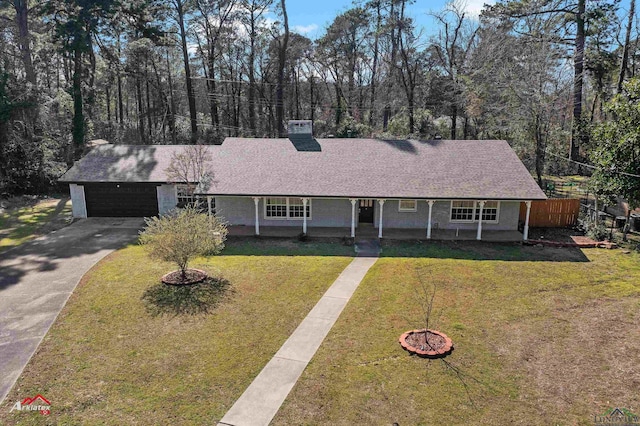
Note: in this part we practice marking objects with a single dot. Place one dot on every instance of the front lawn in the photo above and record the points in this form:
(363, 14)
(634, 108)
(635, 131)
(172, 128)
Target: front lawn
(22, 219)
(107, 361)
(541, 335)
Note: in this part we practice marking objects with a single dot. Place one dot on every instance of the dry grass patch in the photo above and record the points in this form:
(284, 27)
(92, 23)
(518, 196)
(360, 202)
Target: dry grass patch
(536, 342)
(106, 360)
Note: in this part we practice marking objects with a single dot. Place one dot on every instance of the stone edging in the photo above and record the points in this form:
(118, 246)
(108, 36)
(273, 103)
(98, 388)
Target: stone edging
(448, 345)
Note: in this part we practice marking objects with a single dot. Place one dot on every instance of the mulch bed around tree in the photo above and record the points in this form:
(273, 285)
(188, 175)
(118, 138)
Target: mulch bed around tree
(192, 276)
(427, 343)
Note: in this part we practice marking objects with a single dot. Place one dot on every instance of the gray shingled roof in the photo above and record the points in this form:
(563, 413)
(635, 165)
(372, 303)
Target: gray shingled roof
(362, 168)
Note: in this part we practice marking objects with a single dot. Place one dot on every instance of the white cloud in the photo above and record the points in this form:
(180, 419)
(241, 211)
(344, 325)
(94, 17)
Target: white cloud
(305, 29)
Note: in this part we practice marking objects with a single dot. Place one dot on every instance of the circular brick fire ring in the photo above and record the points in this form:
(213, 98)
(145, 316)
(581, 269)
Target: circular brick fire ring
(432, 344)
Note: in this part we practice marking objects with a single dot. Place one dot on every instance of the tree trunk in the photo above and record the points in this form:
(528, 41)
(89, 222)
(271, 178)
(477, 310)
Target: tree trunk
(374, 66)
(625, 48)
(282, 56)
(252, 77)
(312, 112)
(140, 111)
(172, 108)
(540, 150)
(578, 74)
(108, 102)
(78, 113)
(22, 22)
(410, 105)
(454, 121)
(120, 103)
(187, 71)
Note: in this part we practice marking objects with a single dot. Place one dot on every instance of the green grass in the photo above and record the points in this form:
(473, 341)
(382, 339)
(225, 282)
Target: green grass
(568, 186)
(107, 360)
(536, 341)
(18, 225)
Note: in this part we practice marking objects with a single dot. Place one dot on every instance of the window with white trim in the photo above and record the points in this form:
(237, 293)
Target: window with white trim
(286, 208)
(489, 211)
(296, 208)
(462, 210)
(407, 205)
(275, 208)
(469, 211)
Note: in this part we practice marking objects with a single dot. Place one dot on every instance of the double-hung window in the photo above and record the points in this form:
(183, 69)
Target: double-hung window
(276, 208)
(286, 208)
(297, 210)
(469, 211)
(462, 211)
(489, 211)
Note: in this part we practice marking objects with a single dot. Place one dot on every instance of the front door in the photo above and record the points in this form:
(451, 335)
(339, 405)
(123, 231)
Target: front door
(365, 212)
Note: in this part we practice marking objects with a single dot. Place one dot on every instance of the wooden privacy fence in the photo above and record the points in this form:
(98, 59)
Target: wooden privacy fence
(552, 213)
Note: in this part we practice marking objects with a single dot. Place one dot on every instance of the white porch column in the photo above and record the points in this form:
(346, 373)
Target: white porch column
(429, 221)
(209, 204)
(479, 235)
(381, 203)
(353, 216)
(256, 201)
(525, 234)
(305, 201)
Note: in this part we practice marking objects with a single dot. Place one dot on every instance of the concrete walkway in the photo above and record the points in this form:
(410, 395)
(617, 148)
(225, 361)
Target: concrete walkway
(37, 278)
(261, 401)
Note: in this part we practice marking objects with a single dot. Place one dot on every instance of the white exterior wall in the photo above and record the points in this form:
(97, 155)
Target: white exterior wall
(167, 199)
(324, 213)
(78, 203)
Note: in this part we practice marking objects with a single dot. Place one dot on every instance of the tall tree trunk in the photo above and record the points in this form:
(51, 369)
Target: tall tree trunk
(108, 102)
(311, 101)
(21, 7)
(149, 118)
(77, 131)
(252, 77)
(187, 71)
(213, 94)
(625, 48)
(454, 120)
(282, 56)
(578, 75)
(540, 150)
(140, 111)
(172, 104)
(119, 77)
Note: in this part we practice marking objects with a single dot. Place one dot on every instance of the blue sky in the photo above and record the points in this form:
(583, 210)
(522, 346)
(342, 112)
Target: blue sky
(311, 17)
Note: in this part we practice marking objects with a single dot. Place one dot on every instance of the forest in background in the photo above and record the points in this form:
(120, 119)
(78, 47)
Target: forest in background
(538, 73)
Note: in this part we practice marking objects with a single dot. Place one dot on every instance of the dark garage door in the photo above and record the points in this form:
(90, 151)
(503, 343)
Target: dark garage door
(121, 200)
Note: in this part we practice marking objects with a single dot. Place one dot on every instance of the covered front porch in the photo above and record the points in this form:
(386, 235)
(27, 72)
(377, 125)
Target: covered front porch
(372, 218)
(371, 232)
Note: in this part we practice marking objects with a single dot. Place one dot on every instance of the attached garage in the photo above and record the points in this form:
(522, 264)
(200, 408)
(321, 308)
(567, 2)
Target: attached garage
(121, 199)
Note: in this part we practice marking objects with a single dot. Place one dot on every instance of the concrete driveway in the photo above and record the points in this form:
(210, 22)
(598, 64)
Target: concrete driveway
(37, 278)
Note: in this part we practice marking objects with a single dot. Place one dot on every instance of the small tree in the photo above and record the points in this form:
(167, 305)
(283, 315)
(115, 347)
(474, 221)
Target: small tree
(191, 166)
(183, 234)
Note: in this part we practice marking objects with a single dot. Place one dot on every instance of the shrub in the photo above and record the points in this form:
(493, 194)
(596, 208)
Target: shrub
(183, 234)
